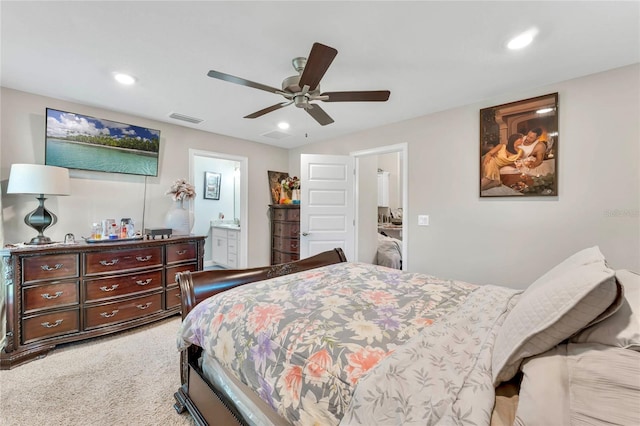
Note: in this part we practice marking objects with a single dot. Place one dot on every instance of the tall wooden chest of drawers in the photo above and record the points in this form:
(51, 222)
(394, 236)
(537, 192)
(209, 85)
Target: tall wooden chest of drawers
(64, 293)
(285, 232)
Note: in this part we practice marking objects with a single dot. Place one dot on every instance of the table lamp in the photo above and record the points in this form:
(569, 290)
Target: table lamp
(39, 179)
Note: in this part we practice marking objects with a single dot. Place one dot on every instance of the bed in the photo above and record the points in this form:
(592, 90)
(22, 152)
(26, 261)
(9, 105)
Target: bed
(326, 341)
(389, 252)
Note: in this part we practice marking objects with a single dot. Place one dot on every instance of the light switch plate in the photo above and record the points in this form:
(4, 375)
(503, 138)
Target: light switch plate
(423, 220)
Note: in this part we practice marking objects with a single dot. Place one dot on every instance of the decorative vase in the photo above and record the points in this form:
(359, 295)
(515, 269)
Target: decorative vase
(284, 195)
(178, 219)
(295, 196)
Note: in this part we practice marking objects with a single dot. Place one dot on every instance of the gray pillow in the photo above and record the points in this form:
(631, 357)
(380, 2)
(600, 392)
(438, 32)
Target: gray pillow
(622, 329)
(561, 302)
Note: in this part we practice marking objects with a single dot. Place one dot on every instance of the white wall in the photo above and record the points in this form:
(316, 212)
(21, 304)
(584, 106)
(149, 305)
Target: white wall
(512, 241)
(503, 241)
(100, 195)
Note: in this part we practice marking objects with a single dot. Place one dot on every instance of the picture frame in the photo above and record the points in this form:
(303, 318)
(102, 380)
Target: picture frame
(82, 142)
(275, 184)
(519, 148)
(212, 185)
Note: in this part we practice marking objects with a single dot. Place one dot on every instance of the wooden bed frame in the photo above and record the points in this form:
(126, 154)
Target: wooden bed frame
(207, 404)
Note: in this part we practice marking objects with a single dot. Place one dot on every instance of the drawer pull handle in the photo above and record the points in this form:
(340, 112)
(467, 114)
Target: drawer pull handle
(109, 315)
(49, 268)
(143, 259)
(181, 252)
(55, 296)
(48, 325)
(145, 306)
(107, 263)
(105, 288)
(140, 282)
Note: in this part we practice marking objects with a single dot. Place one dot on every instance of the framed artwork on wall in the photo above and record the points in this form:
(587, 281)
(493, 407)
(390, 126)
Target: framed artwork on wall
(519, 148)
(212, 185)
(275, 184)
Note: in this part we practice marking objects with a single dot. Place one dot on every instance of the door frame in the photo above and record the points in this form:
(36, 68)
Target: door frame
(403, 149)
(244, 195)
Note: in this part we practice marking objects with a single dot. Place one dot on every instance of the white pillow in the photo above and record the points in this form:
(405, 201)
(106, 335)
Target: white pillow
(544, 391)
(622, 329)
(554, 307)
(580, 384)
(583, 257)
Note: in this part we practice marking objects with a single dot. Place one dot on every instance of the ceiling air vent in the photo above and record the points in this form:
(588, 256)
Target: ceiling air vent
(185, 118)
(276, 134)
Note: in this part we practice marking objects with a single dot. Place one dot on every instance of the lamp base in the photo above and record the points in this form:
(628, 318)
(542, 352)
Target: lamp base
(40, 219)
(39, 240)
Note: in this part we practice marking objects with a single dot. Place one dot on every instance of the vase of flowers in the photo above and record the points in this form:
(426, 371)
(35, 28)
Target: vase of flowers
(179, 218)
(290, 190)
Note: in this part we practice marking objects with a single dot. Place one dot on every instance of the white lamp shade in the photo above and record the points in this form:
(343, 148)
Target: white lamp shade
(38, 179)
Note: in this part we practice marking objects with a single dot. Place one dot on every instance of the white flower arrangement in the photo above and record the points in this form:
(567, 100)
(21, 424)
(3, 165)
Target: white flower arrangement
(181, 190)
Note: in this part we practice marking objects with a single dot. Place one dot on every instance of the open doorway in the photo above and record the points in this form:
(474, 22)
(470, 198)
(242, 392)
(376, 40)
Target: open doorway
(227, 204)
(379, 170)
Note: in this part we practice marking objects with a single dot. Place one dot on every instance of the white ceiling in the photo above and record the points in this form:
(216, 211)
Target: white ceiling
(431, 55)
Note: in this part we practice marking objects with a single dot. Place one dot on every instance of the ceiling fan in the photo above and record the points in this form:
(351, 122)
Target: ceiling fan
(303, 88)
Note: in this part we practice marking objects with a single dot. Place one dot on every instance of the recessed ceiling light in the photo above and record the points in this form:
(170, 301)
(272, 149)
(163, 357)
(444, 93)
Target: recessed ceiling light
(522, 40)
(283, 125)
(124, 78)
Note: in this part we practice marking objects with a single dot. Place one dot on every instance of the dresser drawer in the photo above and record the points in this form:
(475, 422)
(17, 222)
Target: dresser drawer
(47, 267)
(286, 244)
(286, 214)
(58, 294)
(49, 325)
(284, 229)
(170, 278)
(279, 257)
(172, 298)
(122, 285)
(180, 252)
(121, 260)
(125, 310)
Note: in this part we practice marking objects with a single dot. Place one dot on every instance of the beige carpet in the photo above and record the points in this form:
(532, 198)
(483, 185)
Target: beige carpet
(125, 379)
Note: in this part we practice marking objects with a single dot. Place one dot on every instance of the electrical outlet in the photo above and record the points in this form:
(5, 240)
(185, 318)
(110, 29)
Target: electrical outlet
(423, 220)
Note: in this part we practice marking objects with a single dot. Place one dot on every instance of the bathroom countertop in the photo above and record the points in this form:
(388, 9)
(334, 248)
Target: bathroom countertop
(225, 225)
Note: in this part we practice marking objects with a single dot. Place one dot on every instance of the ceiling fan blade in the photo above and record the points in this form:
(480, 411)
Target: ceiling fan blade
(319, 115)
(241, 81)
(318, 63)
(367, 96)
(267, 110)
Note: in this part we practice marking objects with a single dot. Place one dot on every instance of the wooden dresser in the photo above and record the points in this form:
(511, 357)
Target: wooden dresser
(64, 293)
(285, 232)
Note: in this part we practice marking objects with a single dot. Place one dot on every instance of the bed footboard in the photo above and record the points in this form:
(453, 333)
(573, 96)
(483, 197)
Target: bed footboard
(200, 398)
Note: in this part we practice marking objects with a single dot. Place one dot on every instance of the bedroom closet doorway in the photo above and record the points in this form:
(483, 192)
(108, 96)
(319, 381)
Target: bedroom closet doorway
(381, 204)
(221, 199)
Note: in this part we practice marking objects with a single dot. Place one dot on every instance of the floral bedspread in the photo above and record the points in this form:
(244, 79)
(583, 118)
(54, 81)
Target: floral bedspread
(306, 341)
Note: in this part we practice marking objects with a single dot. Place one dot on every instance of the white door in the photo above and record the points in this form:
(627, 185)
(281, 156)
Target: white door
(327, 204)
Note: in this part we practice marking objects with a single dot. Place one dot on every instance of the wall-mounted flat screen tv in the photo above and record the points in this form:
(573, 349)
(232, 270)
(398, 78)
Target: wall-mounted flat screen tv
(77, 141)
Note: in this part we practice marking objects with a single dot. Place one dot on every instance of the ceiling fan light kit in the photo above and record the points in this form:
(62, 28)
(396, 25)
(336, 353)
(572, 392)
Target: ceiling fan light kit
(303, 88)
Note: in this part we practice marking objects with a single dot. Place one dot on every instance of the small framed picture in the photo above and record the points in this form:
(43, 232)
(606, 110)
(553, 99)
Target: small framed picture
(519, 148)
(212, 185)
